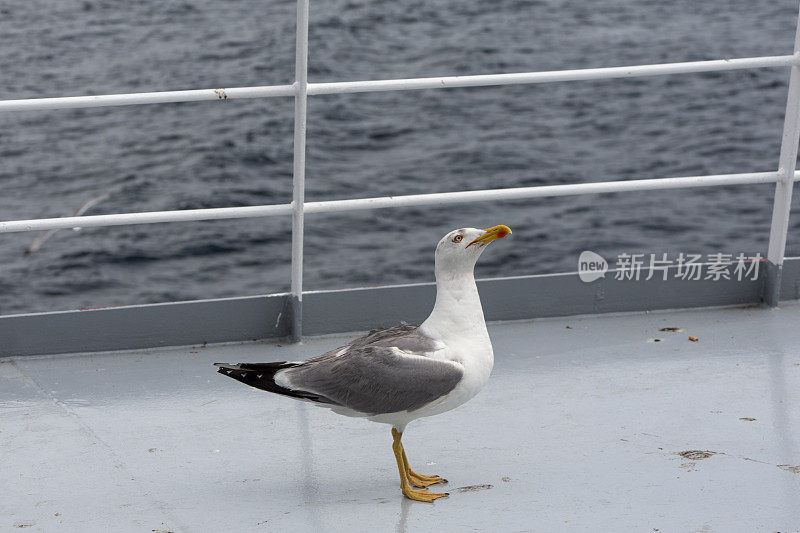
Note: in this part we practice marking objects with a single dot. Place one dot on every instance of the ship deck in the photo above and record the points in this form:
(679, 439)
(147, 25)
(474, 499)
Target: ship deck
(587, 424)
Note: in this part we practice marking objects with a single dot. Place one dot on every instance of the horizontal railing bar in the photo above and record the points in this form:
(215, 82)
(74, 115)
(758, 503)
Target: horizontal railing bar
(162, 97)
(121, 219)
(518, 193)
(551, 76)
(399, 84)
(333, 206)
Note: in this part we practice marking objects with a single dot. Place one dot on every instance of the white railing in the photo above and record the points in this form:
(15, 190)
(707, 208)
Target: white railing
(784, 177)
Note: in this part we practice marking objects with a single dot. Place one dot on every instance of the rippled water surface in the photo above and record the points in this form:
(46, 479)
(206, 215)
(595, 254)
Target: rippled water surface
(229, 153)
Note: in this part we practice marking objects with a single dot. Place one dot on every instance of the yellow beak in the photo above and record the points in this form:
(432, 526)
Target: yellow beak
(496, 232)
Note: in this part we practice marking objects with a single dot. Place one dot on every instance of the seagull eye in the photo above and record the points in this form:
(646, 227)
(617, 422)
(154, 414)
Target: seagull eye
(458, 238)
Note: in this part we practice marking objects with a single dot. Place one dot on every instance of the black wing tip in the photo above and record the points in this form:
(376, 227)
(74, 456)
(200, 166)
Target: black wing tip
(262, 376)
(256, 366)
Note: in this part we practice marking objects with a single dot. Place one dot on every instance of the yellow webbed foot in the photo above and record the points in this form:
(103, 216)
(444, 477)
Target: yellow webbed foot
(408, 477)
(421, 480)
(422, 495)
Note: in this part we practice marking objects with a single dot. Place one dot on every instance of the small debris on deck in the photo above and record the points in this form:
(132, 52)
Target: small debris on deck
(696, 455)
(473, 488)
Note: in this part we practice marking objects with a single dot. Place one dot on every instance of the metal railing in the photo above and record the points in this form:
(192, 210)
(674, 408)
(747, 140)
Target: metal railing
(784, 177)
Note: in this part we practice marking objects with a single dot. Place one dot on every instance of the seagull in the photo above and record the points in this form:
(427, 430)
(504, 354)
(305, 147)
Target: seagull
(398, 374)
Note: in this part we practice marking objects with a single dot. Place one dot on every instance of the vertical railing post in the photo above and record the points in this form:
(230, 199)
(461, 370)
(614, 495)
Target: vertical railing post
(299, 175)
(785, 184)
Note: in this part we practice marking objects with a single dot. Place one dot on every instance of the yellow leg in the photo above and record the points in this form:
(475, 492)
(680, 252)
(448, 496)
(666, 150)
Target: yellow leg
(421, 494)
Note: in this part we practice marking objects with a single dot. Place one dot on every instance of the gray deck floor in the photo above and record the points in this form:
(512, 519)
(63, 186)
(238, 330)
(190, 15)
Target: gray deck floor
(580, 428)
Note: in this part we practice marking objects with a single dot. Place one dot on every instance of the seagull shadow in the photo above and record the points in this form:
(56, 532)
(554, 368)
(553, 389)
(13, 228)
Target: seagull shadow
(310, 478)
(405, 509)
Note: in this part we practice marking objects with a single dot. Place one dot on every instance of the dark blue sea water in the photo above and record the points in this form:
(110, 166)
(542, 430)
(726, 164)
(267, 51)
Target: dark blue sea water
(216, 154)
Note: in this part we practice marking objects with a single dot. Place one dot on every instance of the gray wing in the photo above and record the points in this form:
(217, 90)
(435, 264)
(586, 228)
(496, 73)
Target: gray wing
(378, 373)
(406, 337)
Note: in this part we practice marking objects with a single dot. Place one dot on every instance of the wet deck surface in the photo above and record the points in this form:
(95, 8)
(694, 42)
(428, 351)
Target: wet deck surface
(586, 425)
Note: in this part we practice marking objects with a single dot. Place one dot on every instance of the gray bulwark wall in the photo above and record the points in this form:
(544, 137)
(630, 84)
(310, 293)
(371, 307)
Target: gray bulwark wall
(260, 317)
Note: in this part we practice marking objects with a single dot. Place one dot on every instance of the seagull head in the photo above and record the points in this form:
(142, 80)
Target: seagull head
(459, 250)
